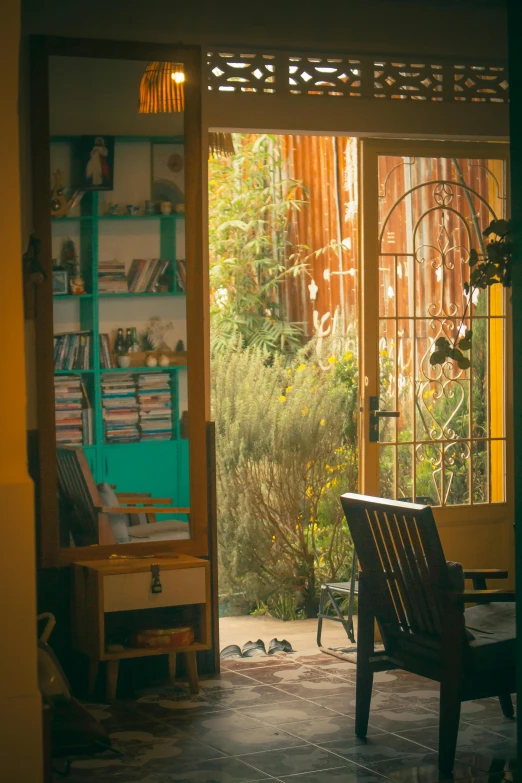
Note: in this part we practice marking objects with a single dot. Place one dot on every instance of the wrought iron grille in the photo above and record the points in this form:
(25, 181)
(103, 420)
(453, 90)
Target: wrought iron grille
(449, 443)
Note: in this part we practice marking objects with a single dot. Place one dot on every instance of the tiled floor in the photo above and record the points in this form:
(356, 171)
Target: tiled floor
(292, 719)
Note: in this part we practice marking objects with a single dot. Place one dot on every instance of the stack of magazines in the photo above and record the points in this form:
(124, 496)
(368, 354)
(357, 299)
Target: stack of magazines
(73, 412)
(155, 406)
(112, 278)
(120, 408)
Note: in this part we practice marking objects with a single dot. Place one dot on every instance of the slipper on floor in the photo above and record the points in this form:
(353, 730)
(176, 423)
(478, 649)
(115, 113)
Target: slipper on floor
(232, 651)
(276, 646)
(250, 649)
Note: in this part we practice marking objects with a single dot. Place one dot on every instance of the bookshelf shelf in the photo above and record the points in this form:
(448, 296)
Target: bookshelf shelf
(170, 368)
(70, 218)
(173, 216)
(133, 295)
(73, 372)
(71, 297)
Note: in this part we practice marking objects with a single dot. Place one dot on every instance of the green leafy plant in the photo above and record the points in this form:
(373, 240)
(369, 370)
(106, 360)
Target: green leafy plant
(251, 205)
(286, 448)
(493, 269)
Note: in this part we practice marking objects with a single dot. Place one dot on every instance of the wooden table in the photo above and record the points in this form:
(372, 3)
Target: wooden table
(122, 589)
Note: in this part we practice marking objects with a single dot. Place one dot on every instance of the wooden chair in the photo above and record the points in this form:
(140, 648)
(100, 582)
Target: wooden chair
(88, 519)
(418, 601)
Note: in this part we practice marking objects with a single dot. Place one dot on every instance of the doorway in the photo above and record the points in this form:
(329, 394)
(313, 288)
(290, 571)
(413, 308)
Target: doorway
(419, 431)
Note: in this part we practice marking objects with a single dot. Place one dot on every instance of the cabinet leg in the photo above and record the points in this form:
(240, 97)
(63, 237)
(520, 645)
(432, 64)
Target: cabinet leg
(112, 679)
(192, 671)
(172, 668)
(93, 673)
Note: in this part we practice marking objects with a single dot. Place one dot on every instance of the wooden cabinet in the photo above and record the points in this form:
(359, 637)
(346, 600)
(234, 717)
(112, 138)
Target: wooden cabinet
(114, 599)
(150, 153)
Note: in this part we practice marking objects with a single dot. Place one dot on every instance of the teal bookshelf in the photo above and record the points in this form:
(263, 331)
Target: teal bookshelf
(160, 467)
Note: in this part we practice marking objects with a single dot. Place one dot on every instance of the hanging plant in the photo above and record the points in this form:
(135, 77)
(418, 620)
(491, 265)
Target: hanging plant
(490, 270)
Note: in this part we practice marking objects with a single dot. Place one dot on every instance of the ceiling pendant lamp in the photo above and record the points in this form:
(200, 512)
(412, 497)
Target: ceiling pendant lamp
(220, 145)
(161, 88)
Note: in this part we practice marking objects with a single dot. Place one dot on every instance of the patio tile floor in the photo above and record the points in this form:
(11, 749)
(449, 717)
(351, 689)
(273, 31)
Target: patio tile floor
(291, 719)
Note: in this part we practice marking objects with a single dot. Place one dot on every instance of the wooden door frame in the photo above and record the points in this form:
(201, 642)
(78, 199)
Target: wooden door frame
(41, 48)
(370, 150)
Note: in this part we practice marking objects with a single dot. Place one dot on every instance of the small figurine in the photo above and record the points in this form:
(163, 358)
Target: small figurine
(77, 285)
(180, 346)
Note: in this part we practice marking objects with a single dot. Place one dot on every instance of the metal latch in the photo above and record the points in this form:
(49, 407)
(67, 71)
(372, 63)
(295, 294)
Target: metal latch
(156, 586)
(375, 415)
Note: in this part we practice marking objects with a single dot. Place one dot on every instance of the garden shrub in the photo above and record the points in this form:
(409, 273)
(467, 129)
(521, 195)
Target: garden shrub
(286, 449)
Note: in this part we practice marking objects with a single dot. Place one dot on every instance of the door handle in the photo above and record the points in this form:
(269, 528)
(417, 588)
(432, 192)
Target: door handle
(375, 415)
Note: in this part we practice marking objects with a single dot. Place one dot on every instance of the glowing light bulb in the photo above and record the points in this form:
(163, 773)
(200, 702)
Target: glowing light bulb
(178, 76)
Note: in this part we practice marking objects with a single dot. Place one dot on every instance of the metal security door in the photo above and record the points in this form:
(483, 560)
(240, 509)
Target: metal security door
(435, 434)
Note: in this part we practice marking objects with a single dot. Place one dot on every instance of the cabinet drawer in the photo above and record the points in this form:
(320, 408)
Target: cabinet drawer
(181, 586)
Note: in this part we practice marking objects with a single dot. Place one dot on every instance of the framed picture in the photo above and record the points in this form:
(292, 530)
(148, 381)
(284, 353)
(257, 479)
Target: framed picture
(60, 282)
(94, 163)
(168, 173)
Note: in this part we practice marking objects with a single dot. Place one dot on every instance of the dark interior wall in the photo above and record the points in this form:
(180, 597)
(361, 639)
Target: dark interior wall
(468, 29)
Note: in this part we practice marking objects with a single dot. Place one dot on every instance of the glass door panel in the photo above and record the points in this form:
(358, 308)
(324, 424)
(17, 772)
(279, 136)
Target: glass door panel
(443, 442)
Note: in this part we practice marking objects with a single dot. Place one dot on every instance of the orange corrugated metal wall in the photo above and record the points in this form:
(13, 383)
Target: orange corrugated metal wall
(327, 168)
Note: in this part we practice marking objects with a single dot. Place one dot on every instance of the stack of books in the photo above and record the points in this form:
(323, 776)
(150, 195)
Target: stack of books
(72, 351)
(155, 406)
(181, 275)
(112, 278)
(120, 408)
(73, 412)
(144, 274)
(106, 358)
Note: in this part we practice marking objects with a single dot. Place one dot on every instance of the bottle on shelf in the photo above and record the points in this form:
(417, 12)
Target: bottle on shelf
(120, 347)
(134, 344)
(128, 340)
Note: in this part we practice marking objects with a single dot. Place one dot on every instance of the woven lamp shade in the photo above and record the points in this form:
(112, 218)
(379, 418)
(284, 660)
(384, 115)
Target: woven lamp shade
(220, 145)
(161, 89)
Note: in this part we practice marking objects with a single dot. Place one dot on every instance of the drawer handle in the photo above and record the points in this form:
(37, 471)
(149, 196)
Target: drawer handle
(156, 586)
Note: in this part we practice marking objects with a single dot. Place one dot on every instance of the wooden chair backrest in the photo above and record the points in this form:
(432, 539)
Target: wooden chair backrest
(403, 565)
(79, 491)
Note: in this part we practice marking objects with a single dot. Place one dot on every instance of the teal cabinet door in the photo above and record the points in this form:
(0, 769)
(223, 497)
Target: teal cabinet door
(183, 473)
(143, 467)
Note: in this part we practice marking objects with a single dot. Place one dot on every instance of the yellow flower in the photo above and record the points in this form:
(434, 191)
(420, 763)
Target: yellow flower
(331, 360)
(289, 372)
(314, 367)
(282, 398)
(426, 394)
(304, 411)
(301, 367)
(348, 356)
(384, 352)
(322, 422)
(313, 388)
(309, 492)
(297, 527)
(289, 389)
(273, 538)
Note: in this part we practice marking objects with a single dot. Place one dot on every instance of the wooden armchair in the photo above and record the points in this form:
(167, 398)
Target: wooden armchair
(88, 519)
(418, 601)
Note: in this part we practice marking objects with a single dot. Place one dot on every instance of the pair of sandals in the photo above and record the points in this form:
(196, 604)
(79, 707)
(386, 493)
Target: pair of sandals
(251, 649)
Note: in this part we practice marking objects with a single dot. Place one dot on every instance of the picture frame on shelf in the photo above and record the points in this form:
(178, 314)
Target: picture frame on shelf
(168, 173)
(94, 162)
(60, 282)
